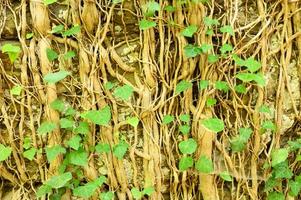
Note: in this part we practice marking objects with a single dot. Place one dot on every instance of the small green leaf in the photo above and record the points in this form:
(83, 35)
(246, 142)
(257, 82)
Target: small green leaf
(30, 153)
(46, 127)
(27, 143)
(248, 77)
(213, 124)
(185, 163)
(120, 149)
(102, 148)
(59, 180)
(204, 165)
(238, 143)
(43, 190)
(58, 105)
(189, 31)
(276, 196)
(191, 51)
(74, 142)
(70, 112)
(227, 29)
(16, 90)
(124, 92)
(51, 54)
(240, 88)
(79, 157)
(109, 85)
(252, 64)
(145, 24)
(106, 195)
(226, 48)
(48, 2)
(117, 1)
(136, 193)
(209, 32)
(225, 176)
(295, 187)
(133, 121)
(150, 8)
(185, 129)
(83, 128)
(99, 117)
(183, 86)
(72, 31)
(88, 189)
(67, 123)
(212, 58)
(188, 146)
(57, 29)
(206, 47)
(170, 8)
(168, 119)
(148, 191)
(10, 48)
(52, 78)
(210, 102)
(203, 84)
(5, 152)
(69, 55)
(282, 170)
(53, 152)
(264, 109)
(279, 156)
(185, 118)
(210, 22)
(28, 36)
(268, 125)
(222, 85)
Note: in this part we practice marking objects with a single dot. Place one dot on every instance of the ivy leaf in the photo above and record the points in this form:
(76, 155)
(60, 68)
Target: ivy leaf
(133, 121)
(5, 152)
(185, 129)
(136, 193)
(206, 47)
(106, 195)
(226, 48)
(150, 8)
(109, 85)
(183, 86)
(74, 142)
(57, 29)
(213, 124)
(282, 170)
(210, 102)
(83, 128)
(240, 88)
(51, 54)
(203, 84)
(264, 109)
(222, 85)
(59, 180)
(238, 143)
(170, 8)
(46, 127)
(89, 189)
(295, 187)
(189, 31)
(209, 32)
(227, 29)
(79, 157)
(53, 152)
(43, 190)
(185, 163)
(188, 146)
(248, 77)
(212, 58)
(124, 92)
(226, 176)
(58, 105)
(145, 24)
(204, 165)
(28, 36)
(148, 191)
(279, 156)
(30, 153)
(252, 64)
(99, 117)
(117, 1)
(269, 125)
(27, 143)
(72, 31)
(191, 51)
(185, 118)
(52, 78)
(210, 22)
(66, 123)
(48, 2)
(12, 51)
(16, 90)
(102, 148)
(69, 55)
(120, 149)
(168, 119)
(276, 196)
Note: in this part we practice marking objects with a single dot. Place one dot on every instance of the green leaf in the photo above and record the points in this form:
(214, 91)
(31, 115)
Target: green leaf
(209, 32)
(148, 191)
(83, 128)
(58, 105)
(189, 31)
(74, 142)
(227, 29)
(51, 54)
(5, 152)
(117, 1)
(269, 125)
(52, 78)
(59, 180)
(212, 58)
(168, 119)
(29, 154)
(222, 85)
(109, 85)
(188, 146)
(43, 190)
(252, 64)
(133, 121)
(282, 170)
(72, 31)
(226, 48)
(225, 176)
(185, 163)
(191, 51)
(70, 112)
(48, 2)
(238, 143)
(203, 84)
(238, 60)
(89, 189)
(16, 90)
(99, 117)
(67, 123)
(185, 129)
(248, 77)
(204, 165)
(120, 149)
(170, 8)
(46, 127)
(106, 195)
(279, 156)
(264, 109)
(136, 193)
(57, 29)
(276, 196)
(145, 24)
(10, 48)
(213, 124)
(183, 86)
(28, 36)
(69, 55)
(210, 102)
(79, 157)
(27, 143)
(210, 22)
(260, 80)
(295, 187)
(102, 148)
(124, 92)
(150, 8)
(53, 152)
(185, 118)
(240, 88)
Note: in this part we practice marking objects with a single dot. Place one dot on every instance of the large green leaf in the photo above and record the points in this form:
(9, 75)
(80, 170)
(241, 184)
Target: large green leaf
(99, 117)
(145, 24)
(213, 124)
(188, 146)
(204, 165)
(279, 156)
(189, 31)
(123, 92)
(79, 157)
(183, 86)
(59, 180)
(55, 77)
(5, 152)
(120, 149)
(185, 163)
(53, 152)
(89, 189)
(46, 127)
